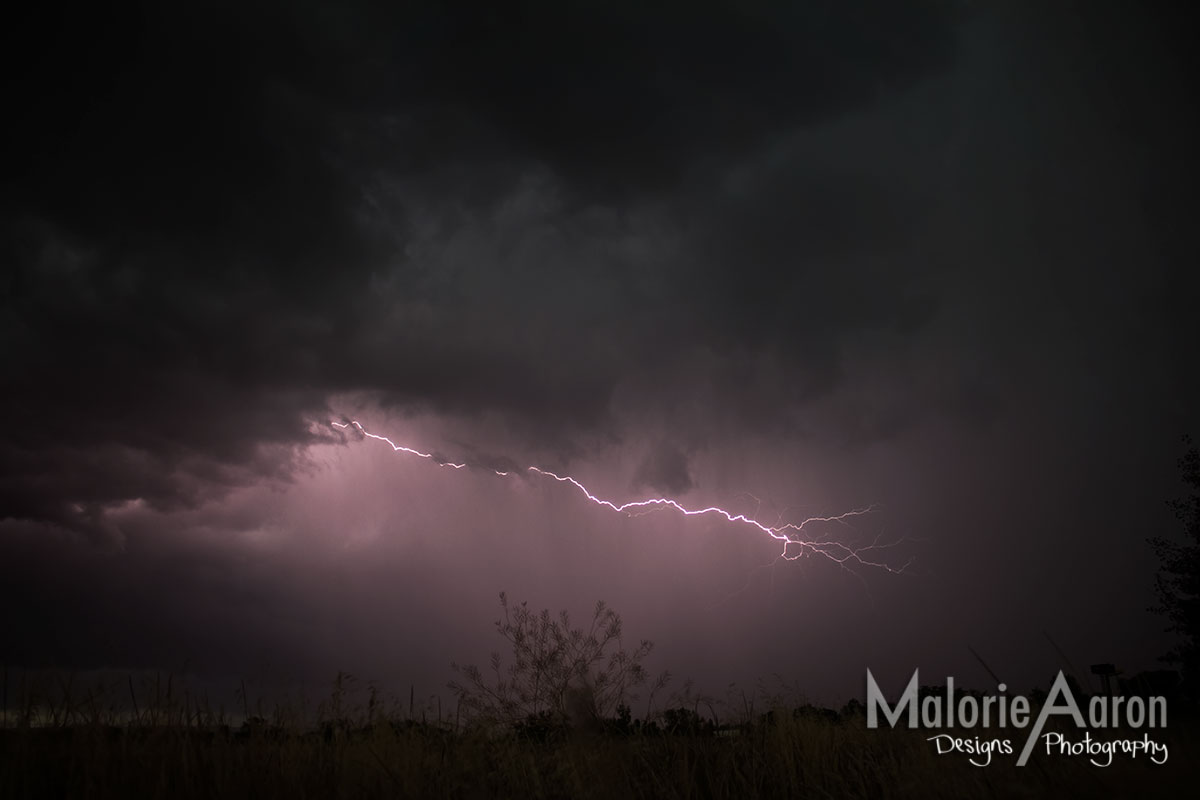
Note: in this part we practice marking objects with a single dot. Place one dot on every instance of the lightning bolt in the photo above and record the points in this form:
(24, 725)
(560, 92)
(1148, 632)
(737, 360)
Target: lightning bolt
(789, 534)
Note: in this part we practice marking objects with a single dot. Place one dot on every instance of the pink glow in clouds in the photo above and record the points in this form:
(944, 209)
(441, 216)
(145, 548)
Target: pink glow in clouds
(794, 547)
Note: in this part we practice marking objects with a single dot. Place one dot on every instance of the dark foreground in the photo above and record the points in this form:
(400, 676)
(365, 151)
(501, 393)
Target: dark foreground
(786, 755)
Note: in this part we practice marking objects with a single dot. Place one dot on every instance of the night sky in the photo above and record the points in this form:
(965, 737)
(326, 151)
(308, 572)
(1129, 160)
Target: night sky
(790, 259)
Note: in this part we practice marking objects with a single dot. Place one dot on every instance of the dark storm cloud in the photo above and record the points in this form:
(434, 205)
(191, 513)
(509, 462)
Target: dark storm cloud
(637, 92)
(828, 253)
(664, 468)
(147, 605)
(222, 215)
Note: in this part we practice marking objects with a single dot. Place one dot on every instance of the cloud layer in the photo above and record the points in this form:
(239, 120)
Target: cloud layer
(843, 251)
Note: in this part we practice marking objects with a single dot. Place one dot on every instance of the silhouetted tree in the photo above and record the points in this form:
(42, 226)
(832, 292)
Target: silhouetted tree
(559, 675)
(1178, 581)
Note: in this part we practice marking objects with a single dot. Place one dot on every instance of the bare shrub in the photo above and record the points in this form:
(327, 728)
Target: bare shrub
(558, 673)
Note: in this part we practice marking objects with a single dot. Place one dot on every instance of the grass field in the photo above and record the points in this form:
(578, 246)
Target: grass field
(173, 749)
